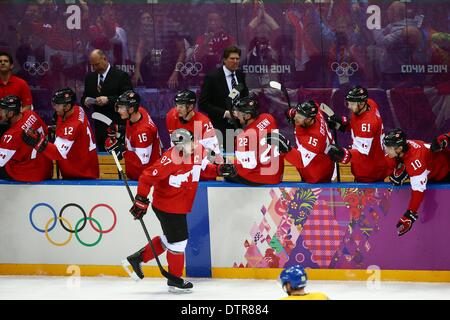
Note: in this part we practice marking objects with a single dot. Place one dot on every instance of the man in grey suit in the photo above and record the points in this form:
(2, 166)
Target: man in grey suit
(217, 86)
(101, 90)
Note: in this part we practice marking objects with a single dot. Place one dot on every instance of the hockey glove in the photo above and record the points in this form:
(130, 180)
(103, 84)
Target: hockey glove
(399, 176)
(35, 139)
(116, 131)
(405, 223)
(338, 123)
(440, 143)
(339, 154)
(277, 139)
(226, 170)
(113, 144)
(52, 133)
(290, 114)
(140, 206)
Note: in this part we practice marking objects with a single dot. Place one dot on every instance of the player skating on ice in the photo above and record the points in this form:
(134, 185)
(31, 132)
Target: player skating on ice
(174, 178)
(421, 165)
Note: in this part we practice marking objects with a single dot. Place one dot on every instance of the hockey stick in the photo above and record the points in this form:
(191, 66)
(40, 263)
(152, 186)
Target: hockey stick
(102, 118)
(282, 88)
(329, 112)
(179, 281)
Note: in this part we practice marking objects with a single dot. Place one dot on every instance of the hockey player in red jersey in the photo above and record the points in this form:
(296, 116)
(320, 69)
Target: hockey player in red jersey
(18, 161)
(257, 162)
(421, 165)
(74, 148)
(441, 142)
(366, 156)
(141, 146)
(313, 139)
(184, 116)
(174, 178)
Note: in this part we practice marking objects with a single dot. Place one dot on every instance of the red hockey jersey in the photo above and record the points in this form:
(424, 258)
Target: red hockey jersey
(22, 162)
(312, 144)
(257, 161)
(142, 144)
(368, 163)
(199, 125)
(175, 179)
(422, 166)
(74, 148)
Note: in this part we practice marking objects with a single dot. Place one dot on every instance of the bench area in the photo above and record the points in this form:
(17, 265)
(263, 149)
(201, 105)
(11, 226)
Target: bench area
(108, 170)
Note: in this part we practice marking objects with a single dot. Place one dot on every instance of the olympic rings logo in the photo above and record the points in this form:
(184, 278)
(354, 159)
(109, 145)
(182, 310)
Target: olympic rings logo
(78, 226)
(34, 68)
(189, 68)
(344, 68)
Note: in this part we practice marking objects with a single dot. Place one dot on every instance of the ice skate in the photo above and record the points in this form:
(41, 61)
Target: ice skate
(186, 287)
(135, 261)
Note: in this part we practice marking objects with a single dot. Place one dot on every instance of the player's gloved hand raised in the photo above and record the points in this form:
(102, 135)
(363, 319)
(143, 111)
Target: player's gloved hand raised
(399, 176)
(35, 139)
(140, 206)
(290, 114)
(226, 170)
(405, 223)
(440, 143)
(277, 139)
(338, 123)
(115, 131)
(113, 144)
(339, 154)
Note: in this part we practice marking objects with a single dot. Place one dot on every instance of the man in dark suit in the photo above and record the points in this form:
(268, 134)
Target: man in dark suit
(101, 90)
(217, 86)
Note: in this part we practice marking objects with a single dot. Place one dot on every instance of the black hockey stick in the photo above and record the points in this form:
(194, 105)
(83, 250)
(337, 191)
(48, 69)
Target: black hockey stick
(282, 88)
(171, 277)
(106, 120)
(329, 112)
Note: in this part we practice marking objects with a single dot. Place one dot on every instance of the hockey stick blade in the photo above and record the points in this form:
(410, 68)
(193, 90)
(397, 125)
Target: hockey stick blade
(102, 118)
(179, 281)
(275, 85)
(278, 86)
(326, 109)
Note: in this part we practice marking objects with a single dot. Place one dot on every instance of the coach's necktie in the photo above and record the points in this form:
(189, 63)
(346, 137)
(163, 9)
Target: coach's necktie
(100, 83)
(233, 81)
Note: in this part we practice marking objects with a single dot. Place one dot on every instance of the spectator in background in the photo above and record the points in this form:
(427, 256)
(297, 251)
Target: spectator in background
(211, 44)
(347, 58)
(403, 44)
(30, 52)
(101, 89)
(159, 53)
(11, 84)
(262, 30)
(308, 20)
(107, 35)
